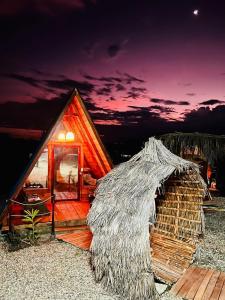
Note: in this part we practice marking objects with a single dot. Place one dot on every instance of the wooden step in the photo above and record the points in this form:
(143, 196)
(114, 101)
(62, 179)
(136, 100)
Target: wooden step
(70, 229)
(81, 239)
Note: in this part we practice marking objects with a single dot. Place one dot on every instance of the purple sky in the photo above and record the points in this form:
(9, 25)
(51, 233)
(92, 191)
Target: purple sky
(135, 62)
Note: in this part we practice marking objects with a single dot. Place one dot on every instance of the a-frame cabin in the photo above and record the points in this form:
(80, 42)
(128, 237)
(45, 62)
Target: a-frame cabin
(63, 172)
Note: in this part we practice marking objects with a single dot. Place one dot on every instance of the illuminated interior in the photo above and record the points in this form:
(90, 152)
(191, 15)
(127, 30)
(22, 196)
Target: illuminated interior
(38, 177)
(66, 172)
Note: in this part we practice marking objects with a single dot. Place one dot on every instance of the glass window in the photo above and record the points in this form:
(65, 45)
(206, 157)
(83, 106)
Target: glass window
(66, 172)
(38, 177)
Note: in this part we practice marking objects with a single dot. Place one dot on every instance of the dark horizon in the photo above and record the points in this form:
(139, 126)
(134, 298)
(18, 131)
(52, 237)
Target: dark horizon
(27, 116)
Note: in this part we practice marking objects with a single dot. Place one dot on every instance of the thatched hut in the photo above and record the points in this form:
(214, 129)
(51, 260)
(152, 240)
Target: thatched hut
(124, 213)
(207, 150)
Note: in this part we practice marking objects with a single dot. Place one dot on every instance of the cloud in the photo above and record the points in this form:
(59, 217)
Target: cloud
(142, 122)
(124, 78)
(29, 80)
(50, 7)
(138, 89)
(51, 85)
(131, 79)
(132, 95)
(91, 48)
(136, 92)
(35, 115)
(127, 118)
(183, 103)
(111, 84)
(92, 107)
(104, 86)
(162, 109)
(120, 87)
(191, 94)
(169, 102)
(84, 87)
(109, 79)
(211, 102)
(43, 74)
(205, 119)
(103, 91)
(116, 49)
(110, 88)
(136, 122)
(113, 50)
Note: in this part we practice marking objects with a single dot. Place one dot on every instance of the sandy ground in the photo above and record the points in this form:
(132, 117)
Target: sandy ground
(56, 270)
(53, 270)
(50, 271)
(212, 254)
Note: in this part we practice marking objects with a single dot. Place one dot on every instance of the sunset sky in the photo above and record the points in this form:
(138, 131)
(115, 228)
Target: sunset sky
(152, 64)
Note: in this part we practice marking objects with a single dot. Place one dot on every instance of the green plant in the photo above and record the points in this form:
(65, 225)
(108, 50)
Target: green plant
(32, 220)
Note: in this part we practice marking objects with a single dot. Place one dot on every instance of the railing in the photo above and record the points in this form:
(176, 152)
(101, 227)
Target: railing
(27, 205)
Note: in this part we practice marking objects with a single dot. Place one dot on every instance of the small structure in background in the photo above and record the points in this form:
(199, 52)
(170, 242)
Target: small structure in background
(147, 221)
(207, 150)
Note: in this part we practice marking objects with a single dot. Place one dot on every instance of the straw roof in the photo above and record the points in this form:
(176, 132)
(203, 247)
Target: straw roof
(212, 146)
(120, 216)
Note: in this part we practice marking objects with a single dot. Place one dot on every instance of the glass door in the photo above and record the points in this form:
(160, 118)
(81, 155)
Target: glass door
(66, 172)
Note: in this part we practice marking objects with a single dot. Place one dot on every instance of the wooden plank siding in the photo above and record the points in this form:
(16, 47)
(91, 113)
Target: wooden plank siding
(85, 117)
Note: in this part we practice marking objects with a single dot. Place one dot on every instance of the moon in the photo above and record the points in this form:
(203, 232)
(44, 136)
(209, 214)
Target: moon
(196, 12)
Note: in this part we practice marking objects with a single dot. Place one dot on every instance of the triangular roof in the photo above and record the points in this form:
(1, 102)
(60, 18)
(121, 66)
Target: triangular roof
(87, 135)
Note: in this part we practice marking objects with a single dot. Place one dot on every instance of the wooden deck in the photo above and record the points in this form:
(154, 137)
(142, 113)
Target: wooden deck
(200, 284)
(70, 210)
(64, 211)
(81, 239)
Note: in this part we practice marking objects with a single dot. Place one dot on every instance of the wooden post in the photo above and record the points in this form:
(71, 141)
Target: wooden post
(53, 216)
(51, 184)
(10, 217)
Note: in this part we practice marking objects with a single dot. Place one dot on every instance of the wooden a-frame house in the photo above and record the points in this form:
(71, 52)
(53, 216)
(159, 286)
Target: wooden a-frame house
(65, 168)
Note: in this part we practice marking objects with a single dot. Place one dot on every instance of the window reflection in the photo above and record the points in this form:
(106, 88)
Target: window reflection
(38, 177)
(66, 172)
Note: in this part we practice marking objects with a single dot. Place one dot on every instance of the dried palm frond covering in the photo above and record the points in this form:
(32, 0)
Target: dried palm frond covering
(121, 215)
(210, 146)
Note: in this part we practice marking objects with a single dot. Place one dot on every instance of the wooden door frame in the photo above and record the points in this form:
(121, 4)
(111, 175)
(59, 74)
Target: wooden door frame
(51, 164)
